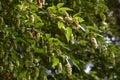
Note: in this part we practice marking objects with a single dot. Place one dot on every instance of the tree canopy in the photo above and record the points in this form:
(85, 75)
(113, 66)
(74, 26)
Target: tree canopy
(58, 40)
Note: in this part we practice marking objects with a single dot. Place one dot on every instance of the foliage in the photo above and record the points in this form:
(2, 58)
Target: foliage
(56, 39)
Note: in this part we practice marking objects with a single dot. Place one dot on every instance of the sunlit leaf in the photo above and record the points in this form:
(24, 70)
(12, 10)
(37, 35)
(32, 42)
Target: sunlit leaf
(68, 33)
(52, 9)
(60, 25)
(59, 5)
(79, 19)
(65, 9)
(55, 62)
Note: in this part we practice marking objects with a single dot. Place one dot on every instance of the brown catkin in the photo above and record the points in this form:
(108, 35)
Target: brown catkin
(94, 41)
(36, 72)
(68, 69)
(59, 68)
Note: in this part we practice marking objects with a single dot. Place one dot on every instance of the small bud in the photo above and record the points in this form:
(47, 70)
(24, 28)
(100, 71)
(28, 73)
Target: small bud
(32, 19)
(38, 36)
(94, 41)
(72, 39)
(59, 68)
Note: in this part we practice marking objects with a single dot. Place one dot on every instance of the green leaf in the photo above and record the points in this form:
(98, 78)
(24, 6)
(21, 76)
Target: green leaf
(68, 33)
(74, 63)
(52, 9)
(56, 41)
(19, 39)
(91, 28)
(47, 35)
(76, 15)
(60, 25)
(14, 56)
(79, 19)
(55, 62)
(22, 74)
(65, 9)
(37, 17)
(83, 42)
(59, 5)
(30, 41)
(38, 50)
